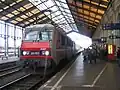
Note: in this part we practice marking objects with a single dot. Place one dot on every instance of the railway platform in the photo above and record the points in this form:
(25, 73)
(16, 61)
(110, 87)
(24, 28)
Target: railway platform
(9, 59)
(84, 76)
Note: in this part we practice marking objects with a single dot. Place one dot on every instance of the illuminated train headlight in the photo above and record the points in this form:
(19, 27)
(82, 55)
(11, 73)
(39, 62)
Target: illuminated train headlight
(25, 52)
(47, 53)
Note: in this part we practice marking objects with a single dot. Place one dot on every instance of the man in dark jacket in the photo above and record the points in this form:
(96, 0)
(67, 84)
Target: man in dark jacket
(118, 56)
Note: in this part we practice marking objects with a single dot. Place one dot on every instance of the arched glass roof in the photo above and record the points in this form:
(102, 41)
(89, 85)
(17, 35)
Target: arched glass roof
(68, 14)
(60, 13)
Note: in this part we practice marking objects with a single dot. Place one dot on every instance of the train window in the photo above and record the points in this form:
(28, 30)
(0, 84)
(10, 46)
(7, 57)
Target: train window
(31, 35)
(36, 35)
(45, 35)
(62, 40)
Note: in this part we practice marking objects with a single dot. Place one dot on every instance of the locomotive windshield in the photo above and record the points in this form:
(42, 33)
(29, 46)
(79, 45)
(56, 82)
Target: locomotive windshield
(39, 35)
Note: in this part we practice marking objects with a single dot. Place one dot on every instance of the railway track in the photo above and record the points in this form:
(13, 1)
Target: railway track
(9, 70)
(11, 76)
(27, 82)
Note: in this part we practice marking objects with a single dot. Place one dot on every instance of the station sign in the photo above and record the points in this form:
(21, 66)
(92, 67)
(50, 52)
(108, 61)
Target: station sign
(100, 40)
(114, 37)
(111, 26)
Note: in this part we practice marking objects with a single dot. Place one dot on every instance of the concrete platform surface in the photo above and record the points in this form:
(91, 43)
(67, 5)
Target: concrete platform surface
(84, 76)
(10, 59)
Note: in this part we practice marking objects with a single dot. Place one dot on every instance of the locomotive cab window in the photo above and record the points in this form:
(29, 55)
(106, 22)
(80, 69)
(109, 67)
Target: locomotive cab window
(39, 35)
(45, 35)
(31, 35)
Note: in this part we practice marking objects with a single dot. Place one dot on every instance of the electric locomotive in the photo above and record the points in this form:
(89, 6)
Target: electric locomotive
(45, 42)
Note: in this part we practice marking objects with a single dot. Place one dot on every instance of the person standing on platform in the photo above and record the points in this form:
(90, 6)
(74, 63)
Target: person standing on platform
(90, 56)
(118, 56)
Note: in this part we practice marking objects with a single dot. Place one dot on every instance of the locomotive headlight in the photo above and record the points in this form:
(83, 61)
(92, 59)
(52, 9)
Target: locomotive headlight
(43, 52)
(24, 52)
(47, 53)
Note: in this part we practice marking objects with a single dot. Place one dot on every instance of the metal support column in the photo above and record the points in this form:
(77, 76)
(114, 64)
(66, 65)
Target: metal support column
(7, 43)
(22, 34)
(5, 53)
(15, 40)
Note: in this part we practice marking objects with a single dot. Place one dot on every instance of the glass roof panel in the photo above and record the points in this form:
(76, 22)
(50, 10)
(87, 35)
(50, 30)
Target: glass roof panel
(105, 0)
(42, 6)
(92, 14)
(87, 0)
(58, 17)
(100, 11)
(15, 12)
(12, 4)
(49, 3)
(91, 19)
(65, 5)
(58, 3)
(86, 12)
(43, 0)
(21, 9)
(54, 8)
(56, 13)
(9, 15)
(13, 21)
(31, 20)
(93, 9)
(61, 9)
(35, 11)
(98, 16)
(29, 14)
(86, 6)
(18, 1)
(80, 10)
(103, 6)
(41, 15)
(1, 10)
(97, 21)
(26, 22)
(19, 19)
(23, 16)
(28, 6)
(57, 10)
(86, 17)
(4, 18)
(94, 3)
(6, 7)
(68, 11)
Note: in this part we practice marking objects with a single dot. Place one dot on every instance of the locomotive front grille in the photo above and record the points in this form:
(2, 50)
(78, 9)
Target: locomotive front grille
(34, 53)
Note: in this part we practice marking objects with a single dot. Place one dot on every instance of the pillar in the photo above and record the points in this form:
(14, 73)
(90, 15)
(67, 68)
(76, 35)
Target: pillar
(15, 40)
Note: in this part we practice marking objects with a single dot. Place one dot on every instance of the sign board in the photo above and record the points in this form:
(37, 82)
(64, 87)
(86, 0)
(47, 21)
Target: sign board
(100, 40)
(111, 26)
(114, 37)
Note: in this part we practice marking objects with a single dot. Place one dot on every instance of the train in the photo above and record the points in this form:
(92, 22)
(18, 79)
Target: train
(43, 42)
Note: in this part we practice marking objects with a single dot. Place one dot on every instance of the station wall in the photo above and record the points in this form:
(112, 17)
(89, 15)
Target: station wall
(112, 15)
(10, 38)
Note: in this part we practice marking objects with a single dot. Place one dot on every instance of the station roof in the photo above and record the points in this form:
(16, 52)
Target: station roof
(68, 14)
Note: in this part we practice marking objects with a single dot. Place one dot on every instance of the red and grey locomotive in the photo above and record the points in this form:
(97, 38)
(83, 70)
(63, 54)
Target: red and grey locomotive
(45, 41)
